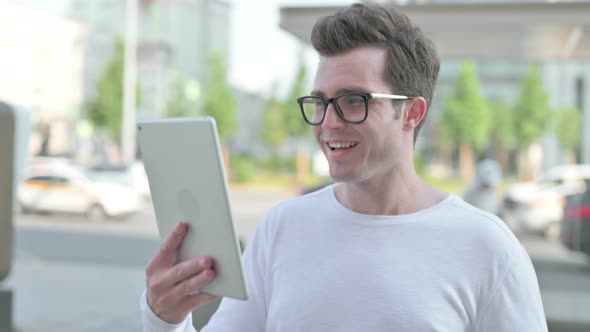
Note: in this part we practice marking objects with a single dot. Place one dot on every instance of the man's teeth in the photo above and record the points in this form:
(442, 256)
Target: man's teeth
(342, 145)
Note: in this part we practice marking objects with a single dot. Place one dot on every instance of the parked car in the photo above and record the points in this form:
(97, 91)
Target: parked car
(132, 175)
(69, 189)
(538, 206)
(575, 230)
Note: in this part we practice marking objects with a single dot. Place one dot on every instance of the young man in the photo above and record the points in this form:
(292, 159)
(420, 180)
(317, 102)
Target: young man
(381, 250)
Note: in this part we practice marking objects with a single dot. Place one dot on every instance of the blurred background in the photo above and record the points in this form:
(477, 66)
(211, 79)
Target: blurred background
(508, 129)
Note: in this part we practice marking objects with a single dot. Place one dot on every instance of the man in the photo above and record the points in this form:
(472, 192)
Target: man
(381, 250)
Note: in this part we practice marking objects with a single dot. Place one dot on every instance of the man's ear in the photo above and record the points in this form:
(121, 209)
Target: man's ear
(415, 112)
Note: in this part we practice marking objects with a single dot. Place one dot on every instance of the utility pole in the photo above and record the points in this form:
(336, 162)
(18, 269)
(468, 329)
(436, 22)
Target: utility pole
(130, 82)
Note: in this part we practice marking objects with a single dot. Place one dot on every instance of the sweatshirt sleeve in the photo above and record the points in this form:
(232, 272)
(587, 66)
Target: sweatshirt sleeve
(153, 323)
(516, 303)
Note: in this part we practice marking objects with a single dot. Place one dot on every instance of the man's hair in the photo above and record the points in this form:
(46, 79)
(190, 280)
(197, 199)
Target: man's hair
(412, 61)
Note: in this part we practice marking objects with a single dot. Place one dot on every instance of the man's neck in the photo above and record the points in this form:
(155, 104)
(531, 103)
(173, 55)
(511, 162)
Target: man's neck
(402, 193)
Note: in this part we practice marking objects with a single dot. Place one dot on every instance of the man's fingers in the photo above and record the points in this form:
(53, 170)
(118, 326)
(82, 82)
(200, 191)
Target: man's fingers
(194, 284)
(170, 246)
(185, 270)
(172, 303)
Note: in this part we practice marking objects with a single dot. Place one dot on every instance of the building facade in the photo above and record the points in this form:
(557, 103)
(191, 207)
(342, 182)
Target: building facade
(175, 39)
(42, 70)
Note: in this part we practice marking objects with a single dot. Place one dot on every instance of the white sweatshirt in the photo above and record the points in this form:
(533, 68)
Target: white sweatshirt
(314, 265)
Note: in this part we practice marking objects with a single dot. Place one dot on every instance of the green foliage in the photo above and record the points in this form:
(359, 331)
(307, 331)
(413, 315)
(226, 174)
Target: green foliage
(419, 163)
(532, 112)
(243, 169)
(105, 111)
(283, 118)
(220, 102)
(503, 124)
(274, 130)
(276, 164)
(295, 124)
(568, 127)
(450, 184)
(466, 117)
(177, 104)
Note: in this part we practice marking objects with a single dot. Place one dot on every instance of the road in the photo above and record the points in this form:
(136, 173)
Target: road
(71, 275)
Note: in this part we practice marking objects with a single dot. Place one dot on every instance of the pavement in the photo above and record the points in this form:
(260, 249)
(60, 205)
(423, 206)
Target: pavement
(78, 291)
(73, 276)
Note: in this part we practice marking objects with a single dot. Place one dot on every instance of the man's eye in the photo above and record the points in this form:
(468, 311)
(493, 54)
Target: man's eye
(355, 100)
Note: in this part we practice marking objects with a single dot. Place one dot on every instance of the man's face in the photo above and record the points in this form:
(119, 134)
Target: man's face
(373, 147)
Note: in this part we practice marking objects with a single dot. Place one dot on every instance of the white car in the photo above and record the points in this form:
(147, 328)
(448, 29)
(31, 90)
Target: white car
(538, 206)
(132, 175)
(73, 192)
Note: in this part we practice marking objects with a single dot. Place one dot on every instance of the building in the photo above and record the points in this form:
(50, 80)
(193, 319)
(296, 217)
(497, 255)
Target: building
(175, 38)
(105, 21)
(41, 69)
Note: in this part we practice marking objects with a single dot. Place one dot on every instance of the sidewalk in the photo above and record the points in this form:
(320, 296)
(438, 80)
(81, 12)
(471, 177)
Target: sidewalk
(74, 296)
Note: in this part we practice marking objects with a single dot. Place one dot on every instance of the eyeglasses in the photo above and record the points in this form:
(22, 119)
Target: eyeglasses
(350, 107)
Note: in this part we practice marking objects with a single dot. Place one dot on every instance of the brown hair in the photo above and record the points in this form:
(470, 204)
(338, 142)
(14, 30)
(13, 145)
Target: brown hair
(412, 65)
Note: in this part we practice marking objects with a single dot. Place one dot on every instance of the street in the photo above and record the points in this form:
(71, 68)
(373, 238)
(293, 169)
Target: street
(72, 275)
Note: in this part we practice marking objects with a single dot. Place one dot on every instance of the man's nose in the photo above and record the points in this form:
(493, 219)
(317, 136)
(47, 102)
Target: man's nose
(331, 119)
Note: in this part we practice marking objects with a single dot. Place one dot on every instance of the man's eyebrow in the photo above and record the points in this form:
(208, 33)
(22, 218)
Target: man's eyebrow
(351, 90)
(340, 91)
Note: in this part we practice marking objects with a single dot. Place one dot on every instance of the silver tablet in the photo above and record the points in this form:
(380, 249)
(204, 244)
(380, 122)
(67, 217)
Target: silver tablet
(183, 163)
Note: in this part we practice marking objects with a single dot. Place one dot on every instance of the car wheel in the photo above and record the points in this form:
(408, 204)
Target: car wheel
(553, 231)
(96, 213)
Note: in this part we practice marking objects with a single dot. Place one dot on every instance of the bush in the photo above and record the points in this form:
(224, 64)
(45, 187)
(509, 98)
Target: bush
(276, 164)
(243, 169)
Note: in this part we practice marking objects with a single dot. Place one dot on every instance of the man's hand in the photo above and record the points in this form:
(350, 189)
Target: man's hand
(173, 290)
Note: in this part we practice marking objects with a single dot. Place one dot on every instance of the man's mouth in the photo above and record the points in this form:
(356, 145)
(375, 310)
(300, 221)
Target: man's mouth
(341, 145)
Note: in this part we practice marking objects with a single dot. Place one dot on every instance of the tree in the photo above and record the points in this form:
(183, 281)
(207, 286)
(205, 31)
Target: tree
(466, 119)
(293, 120)
(502, 131)
(295, 124)
(532, 116)
(177, 104)
(274, 130)
(105, 111)
(568, 130)
(220, 102)
(532, 110)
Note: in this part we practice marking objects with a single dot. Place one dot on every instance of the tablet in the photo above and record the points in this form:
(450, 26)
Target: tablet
(183, 163)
